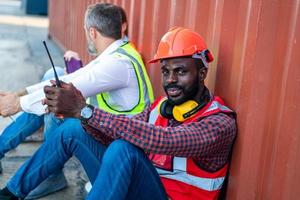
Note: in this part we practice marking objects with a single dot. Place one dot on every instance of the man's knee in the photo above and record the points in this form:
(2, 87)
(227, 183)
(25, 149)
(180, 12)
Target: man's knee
(49, 74)
(121, 148)
(120, 145)
(71, 128)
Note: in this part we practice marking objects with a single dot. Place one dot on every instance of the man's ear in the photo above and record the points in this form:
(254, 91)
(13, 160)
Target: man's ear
(202, 73)
(92, 33)
(124, 29)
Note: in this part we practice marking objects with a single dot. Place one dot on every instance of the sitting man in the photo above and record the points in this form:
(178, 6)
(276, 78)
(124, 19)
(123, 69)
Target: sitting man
(178, 148)
(117, 79)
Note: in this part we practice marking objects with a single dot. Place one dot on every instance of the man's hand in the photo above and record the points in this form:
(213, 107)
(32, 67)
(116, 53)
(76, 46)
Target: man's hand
(9, 103)
(66, 101)
(71, 54)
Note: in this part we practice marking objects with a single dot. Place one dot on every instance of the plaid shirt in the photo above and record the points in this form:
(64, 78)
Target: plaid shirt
(208, 141)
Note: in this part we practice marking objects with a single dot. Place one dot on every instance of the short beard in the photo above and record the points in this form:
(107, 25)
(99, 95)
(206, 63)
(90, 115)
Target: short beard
(91, 48)
(188, 94)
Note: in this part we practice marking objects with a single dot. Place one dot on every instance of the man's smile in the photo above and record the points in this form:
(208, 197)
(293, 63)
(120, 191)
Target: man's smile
(174, 91)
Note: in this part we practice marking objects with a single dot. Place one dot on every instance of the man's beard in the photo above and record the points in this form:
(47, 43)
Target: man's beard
(91, 48)
(188, 94)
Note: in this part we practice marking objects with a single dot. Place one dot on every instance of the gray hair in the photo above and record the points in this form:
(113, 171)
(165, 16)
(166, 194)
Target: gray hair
(105, 18)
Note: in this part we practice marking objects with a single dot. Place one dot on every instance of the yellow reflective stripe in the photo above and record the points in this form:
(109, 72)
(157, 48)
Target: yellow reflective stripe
(135, 56)
(129, 51)
(146, 85)
(139, 107)
(145, 98)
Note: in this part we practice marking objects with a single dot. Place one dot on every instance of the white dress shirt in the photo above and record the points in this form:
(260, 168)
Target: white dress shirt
(106, 73)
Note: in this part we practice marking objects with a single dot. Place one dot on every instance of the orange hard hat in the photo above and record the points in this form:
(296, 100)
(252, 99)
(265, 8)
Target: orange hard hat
(179, 42)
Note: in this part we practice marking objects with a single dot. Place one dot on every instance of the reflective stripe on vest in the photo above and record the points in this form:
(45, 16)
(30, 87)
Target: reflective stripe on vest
(216, 105)
(179, 171)
(127, 51)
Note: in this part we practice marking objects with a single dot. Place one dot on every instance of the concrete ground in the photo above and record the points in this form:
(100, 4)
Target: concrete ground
(23, 60)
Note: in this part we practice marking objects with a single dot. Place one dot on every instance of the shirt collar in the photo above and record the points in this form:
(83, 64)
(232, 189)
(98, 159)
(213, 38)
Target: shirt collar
(112, 47)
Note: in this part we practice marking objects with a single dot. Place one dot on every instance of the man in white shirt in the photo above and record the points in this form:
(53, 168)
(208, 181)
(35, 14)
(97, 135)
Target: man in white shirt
(120, 78)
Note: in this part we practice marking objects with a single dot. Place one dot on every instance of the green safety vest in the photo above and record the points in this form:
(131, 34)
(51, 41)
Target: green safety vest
(145, 89)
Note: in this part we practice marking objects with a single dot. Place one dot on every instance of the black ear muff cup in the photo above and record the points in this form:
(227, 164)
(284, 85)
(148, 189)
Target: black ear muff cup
(166, 110)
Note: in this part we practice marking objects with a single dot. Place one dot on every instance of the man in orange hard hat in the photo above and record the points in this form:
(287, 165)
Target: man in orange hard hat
(178, 148)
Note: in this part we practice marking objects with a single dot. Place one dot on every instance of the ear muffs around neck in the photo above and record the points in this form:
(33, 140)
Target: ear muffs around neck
(185, 110)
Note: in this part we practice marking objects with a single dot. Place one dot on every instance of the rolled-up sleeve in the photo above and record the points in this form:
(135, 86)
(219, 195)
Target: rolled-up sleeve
(32, 103)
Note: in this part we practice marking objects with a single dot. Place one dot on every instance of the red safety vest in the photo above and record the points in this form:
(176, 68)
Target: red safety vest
(181, 177)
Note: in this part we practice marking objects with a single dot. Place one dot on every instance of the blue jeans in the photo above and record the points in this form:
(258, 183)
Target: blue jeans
(117, 171)
(17, 131)
(26, 124)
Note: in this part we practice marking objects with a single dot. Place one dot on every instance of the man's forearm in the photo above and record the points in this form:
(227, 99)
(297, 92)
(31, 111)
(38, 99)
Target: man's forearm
(187, 140)
(10, 104)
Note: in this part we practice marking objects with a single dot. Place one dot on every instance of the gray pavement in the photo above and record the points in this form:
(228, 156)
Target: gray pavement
(23, 60)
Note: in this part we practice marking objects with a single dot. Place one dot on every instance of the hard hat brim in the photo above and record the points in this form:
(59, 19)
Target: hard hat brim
(154, 60)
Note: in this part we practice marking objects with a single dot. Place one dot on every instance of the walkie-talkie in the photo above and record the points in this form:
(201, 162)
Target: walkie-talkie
(58, 84)
(55, 74)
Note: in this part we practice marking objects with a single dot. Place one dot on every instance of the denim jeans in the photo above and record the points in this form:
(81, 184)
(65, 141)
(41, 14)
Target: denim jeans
(118, 171)
(26, 124)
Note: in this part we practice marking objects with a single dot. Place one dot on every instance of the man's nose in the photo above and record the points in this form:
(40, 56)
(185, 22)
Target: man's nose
(172, 78)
